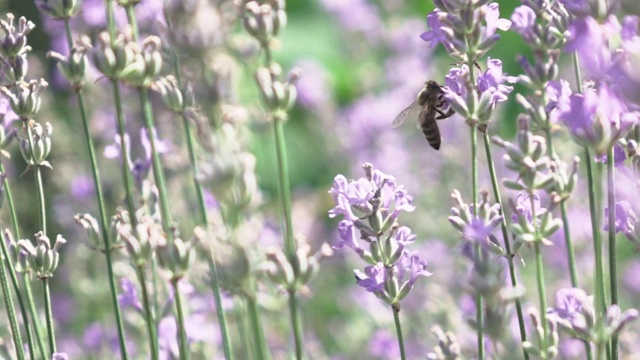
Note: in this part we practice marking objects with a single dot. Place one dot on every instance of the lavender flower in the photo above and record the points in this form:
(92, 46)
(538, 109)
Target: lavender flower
(129, 297)
(626, 218)
(475, 226)
(372, 205)
(598, 118)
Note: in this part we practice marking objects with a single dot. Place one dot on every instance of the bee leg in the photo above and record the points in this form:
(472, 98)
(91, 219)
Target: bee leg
(442, 115)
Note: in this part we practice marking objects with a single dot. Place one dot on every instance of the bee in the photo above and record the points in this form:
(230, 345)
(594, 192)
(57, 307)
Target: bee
(430, 101)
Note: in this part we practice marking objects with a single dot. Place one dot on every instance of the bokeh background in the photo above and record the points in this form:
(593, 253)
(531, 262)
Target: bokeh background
(362, 63)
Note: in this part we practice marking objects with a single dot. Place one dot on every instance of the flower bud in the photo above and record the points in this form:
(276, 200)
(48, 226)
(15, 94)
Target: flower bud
(91, 227)
(141, 244)
(170, 93)
(15, 68)
(118, 58)
(35, 143)
(25, 97)
(59, 9)
(14, 42)
(42, 258)
(17, 255)
(176, 257)
(148, 63)
(277, 95)
(73, 68)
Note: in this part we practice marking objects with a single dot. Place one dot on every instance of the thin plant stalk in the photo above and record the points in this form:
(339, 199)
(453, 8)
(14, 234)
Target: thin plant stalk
(284, 190)
(182, 333)
(11, 312)
(613, 257)
(202, 209)
(149, 319)
(101, 208)
(478, 252)
(571, 257)
(158, 172)
(12, 272)
(43, 226)
(49, 317)
(37, 326)
(505, 235)
(396, 320)
(542, 294)
(260, 345)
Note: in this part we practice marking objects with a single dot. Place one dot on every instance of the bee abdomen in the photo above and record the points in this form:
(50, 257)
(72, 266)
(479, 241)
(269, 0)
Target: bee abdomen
(432, 133)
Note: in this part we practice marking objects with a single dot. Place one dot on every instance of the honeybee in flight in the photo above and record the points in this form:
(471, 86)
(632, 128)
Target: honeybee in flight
(430, 102)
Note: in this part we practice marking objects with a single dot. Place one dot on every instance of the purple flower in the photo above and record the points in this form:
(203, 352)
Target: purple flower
(367, 21)
(349, 236)
(436, 34)
(587, 38)
(577, 7)
(626, 218)
(574, 311)
(313, 90)
(630, 26)
(598, 119)
(491, 82)
(523, 19)
(129, 297)
(493, 20)
(373, 278)
(619, 155)
(558, 94)
(410, 264)
(478, 230)
(404, 236)
(59, 356)
(523, 207)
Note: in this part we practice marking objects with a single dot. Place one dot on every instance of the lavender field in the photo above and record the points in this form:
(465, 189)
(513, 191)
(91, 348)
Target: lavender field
(328, 179)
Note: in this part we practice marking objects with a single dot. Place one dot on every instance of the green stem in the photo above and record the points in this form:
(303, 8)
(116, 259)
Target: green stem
(539, 272)
(600, 299)
(396, 318)
(222, 318)
(49, 317)
(124, 153)
(573, 272)
(474, 195)
(182, 333)
(37, 327)
(259, 343)
(101, 208)
(12, 272)
(613, 257)
(11, 312)
(149, 319)
(505, 236)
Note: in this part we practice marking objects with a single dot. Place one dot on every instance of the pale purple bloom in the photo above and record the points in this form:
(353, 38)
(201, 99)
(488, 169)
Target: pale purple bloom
(313, 90)
(81, 187)
(619, 156)
(598, 119)
(574, 310)
(493, 20)
(60, 356)
(436, 34)
(373, 278)
(454, 82)
(523, 207)
(404, 236)
(626, 218)
(412, 265)
(491, 81)
(523, 19)
(588, 39)
(558, 93)
(349, 236)
(631, 277)
(630, 26)
(167, 338)
(478, 230)
(129, 296)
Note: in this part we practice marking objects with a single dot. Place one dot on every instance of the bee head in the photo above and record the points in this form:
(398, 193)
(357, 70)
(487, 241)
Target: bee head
(433, 86)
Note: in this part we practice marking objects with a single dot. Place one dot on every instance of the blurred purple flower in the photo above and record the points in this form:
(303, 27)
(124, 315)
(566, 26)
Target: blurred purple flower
(129, 296)
(478, 230)
(367, 21)
(577, 7)
(523, 207)
(167, 338)
(574, 311)
(619, 156)
(558, 93)
(314, 92)
(373, 278)
(630, 26)
(626, 218)
(59, 356)
(404, 236)
(523, 19)
(587, 38)
(598, 119)
(630, 277)
(384, 345)
(81, 187)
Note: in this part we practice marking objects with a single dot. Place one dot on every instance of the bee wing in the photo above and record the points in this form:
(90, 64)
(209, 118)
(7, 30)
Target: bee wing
(408, 112)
